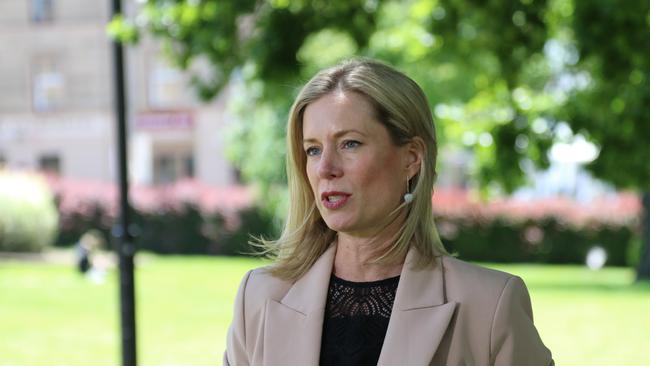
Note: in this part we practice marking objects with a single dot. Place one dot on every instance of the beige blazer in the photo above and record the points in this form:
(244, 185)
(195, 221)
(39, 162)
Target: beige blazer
(454, 313)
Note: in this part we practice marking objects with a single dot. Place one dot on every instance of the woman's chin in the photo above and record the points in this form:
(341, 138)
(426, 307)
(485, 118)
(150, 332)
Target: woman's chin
(338, 225)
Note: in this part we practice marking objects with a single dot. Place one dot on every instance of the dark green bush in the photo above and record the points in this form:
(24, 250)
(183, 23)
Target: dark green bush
(172, 230)
(253, 223)
(545, 231)
(545, 241)
(74, 223)
(165, 222)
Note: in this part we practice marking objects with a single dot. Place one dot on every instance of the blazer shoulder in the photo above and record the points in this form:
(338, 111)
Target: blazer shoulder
(256, 288)
(473, 279)
(498, 307)
(262, 286)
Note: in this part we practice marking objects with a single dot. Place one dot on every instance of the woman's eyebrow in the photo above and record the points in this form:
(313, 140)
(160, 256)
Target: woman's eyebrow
(336, 135)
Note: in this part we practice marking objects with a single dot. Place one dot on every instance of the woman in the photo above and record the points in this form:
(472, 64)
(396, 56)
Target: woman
(360, 276)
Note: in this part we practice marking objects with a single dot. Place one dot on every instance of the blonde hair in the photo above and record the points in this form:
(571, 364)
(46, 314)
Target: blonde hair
(401, 106)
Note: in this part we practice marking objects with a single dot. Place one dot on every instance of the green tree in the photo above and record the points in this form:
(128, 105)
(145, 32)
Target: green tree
(613, 40)
(503, 75)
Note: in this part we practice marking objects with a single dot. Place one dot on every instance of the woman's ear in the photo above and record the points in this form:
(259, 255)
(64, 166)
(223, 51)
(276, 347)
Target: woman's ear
(415, 150)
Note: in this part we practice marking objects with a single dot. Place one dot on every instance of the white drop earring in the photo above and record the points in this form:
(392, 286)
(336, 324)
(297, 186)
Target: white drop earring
(408, 196)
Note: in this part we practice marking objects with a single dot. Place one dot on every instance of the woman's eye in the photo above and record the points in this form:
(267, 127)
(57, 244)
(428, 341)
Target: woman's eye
(312, 151)
(350, 144)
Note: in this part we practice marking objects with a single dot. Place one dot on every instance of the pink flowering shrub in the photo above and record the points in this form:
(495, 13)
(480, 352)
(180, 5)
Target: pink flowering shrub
(555, 230)
(186, 217)
(191, 217)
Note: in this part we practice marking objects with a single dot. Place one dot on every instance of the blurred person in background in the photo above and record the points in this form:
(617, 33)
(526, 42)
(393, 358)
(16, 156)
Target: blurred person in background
(360, 275)
(87, 262)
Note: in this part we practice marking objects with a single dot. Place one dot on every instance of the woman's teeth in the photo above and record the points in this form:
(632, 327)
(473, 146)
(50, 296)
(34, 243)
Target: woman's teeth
(334, 198)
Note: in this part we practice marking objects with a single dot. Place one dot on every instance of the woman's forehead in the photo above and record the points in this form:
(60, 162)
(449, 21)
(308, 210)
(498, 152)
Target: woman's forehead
(339, 113)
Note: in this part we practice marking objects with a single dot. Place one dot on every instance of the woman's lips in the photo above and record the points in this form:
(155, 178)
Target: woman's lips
(334, 200)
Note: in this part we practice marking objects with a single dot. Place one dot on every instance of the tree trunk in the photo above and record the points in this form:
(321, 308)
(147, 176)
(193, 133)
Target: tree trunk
(643, 272)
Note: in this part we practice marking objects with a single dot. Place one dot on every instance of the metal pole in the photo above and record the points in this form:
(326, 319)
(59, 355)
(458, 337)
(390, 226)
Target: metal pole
(125, 247)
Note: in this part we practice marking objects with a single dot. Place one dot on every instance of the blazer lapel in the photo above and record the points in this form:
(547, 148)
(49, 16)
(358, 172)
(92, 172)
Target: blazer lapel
(294, 325)
(420, 316)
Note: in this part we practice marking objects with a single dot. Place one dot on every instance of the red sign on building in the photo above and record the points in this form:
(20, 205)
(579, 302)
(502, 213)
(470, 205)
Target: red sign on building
(164, 121)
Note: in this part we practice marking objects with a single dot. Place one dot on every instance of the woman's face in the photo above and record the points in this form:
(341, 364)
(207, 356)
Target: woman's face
(358, 176)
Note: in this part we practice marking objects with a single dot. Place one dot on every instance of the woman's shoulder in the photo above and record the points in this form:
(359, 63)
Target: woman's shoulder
(259, 285)
(473, 280)
(493, 309)
(454, 264)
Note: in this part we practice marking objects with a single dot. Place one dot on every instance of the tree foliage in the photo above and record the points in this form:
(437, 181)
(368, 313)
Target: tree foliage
(503, 76)
(484, 64)
(613, 39)
(264, 36)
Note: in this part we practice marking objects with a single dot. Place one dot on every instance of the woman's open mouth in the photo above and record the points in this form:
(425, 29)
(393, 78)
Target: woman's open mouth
(334, 200)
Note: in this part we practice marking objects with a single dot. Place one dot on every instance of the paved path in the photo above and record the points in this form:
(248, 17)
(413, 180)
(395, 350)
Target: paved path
(56, 256)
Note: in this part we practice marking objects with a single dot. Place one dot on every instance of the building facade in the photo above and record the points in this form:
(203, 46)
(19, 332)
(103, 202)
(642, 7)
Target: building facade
(56, 100)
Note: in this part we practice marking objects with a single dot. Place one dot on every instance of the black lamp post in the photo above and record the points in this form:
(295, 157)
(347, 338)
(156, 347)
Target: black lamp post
(124, 240)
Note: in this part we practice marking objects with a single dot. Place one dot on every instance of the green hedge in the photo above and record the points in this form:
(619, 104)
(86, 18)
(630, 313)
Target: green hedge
(544, 241)
(166, 220)
(189, 231)
(171, 220)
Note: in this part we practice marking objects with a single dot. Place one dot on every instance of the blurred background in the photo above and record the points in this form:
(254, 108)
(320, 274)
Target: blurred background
(544, 162)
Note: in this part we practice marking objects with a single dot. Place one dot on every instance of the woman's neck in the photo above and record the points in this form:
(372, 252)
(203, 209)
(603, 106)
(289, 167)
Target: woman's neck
(353, 255)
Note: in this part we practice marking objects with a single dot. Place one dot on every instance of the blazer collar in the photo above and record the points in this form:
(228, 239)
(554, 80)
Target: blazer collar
(294, 325)
(309, 293)
(420, 288)
(420, 316)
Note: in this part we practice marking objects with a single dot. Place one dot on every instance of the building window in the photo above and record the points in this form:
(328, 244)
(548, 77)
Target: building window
(163, 169)
(48, 85)
(170, 167)
(42, 10)
(188, 166)
(166, 87)
(50, 163)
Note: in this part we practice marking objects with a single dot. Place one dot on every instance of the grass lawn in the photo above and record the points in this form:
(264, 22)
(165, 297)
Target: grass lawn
(49, 315)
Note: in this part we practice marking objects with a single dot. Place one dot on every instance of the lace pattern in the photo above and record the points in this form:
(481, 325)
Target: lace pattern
(351, 299)
(356, 320)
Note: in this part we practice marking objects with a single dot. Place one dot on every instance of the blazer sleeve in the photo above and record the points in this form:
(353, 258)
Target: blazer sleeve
(236, 339)
(514, 340)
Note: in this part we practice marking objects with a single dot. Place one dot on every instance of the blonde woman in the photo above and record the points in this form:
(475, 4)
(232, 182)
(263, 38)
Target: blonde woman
(360, 276)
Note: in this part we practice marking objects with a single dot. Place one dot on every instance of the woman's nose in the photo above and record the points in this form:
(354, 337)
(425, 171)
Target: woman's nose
(329, 165)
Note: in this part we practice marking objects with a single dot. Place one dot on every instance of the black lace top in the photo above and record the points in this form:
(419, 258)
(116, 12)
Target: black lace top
(356, 320)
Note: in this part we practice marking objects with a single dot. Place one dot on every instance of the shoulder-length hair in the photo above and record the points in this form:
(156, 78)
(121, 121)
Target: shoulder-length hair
(401, 106)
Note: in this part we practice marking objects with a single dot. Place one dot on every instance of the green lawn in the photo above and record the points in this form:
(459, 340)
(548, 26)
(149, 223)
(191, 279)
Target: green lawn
(49, 315)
